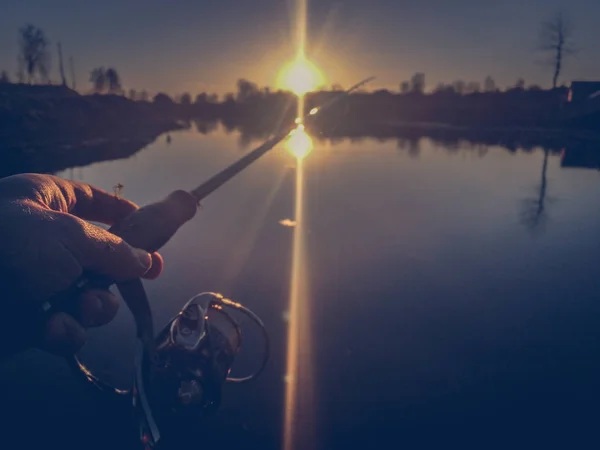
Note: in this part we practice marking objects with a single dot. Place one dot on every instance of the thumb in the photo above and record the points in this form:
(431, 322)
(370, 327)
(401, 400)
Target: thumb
(100, 251)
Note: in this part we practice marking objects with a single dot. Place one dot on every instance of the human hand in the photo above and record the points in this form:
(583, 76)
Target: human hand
(45, 245)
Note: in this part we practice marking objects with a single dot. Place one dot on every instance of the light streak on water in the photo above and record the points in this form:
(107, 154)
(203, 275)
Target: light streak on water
(298, 377)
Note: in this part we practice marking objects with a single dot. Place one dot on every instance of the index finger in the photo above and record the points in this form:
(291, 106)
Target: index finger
(91, 203)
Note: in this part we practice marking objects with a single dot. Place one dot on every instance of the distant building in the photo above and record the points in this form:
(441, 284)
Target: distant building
(582, 91)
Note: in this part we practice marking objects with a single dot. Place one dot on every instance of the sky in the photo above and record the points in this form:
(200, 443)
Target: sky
(193, 46)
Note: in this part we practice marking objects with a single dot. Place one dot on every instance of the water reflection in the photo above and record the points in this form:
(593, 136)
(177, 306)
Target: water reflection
(298, 375)
(534, 212)
(299, 143)
(472, 327)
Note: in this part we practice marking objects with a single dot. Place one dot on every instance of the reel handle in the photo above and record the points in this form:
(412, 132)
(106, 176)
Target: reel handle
(148, 228)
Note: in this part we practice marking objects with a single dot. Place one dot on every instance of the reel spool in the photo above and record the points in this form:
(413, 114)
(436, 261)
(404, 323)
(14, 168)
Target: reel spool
(182, 380)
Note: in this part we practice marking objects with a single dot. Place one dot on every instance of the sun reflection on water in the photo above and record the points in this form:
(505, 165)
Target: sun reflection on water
(299, 143)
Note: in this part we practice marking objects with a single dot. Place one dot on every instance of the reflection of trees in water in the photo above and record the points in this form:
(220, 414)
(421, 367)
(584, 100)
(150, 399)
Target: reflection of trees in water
(534, 213)
(205, 127)
(410, 144)
(51, 159)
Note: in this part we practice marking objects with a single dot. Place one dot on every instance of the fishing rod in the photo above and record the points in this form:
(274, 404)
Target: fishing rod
(153, 225)
(178, 374)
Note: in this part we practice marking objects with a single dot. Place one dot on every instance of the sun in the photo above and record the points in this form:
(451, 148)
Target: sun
(300, 76)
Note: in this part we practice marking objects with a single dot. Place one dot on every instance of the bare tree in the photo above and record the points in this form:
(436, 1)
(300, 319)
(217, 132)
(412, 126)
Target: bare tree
(556, 38)
(34, 56)
(72, 67)
(61, 68)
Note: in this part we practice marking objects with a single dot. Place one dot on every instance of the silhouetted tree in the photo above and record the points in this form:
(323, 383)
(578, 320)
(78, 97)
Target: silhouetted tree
(489, 85)
(212, 98)
(418, 82)
(246, 90)
(34, 56)
(405, 87)
(4, 79)
(163, 100)
(520, 84)
(113, 81)
(472, 87)
(460, 87)
(201, 99)
(99, 80)
(186, 99)
(336, 87)
(61, 67)
(132, 94)
(535, 87)
(556, 38)
(143, 96)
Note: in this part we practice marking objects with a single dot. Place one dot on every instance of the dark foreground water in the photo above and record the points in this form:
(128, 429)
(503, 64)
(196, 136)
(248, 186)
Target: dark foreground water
(454, 299)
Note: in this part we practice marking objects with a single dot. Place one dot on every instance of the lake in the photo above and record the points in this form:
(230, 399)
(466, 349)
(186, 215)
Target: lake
(448, 297)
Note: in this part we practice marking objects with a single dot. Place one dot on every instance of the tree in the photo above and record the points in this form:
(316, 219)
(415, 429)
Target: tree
(113, 81)
(520, 84)
(212, 98)
(34, 56)
(473, 87)
(405, 87)
(4, 79)
(489, 85)
(143, 96)
(459, 87)
(163, 100)
(98, 79)
(418, 82)
(201, 98)
(61, 68)
(133, 94)
(186, 99)
(556, 39)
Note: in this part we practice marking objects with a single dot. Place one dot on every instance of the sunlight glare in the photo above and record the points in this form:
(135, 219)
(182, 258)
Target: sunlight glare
(299, 143)
(300, 76)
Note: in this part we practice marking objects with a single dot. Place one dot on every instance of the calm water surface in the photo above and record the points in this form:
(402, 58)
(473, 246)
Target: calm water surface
(453, 296)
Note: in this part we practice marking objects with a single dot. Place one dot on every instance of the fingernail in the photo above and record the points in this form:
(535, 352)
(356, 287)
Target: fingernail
(144, 259)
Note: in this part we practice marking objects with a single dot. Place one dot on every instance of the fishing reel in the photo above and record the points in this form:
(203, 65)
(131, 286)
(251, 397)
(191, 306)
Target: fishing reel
(181, 379)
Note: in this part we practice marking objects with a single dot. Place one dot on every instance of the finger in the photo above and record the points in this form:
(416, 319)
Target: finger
(63, 335)
(97, 205)
(58, 194)
(97, 308)
(99, 251)
(156, 268)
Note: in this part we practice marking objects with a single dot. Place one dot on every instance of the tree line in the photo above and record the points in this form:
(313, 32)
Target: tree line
(35, 58)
